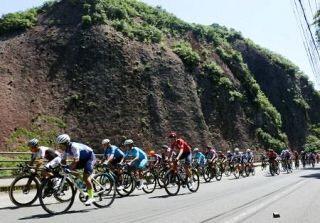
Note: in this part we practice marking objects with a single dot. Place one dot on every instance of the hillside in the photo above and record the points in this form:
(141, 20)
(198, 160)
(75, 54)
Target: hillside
(113, 68)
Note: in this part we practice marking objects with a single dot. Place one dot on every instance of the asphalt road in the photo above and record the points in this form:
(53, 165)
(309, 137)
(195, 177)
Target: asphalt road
(294, 196)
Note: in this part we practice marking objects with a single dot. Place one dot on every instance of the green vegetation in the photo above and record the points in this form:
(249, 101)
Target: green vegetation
(45, 128)
(20, 21)
(186, 53)
(268, 141)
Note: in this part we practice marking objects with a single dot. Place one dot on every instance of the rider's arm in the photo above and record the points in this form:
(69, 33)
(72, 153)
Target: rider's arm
(180, 154)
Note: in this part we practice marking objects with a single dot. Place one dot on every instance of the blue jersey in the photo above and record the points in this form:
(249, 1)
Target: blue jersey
(78, 151)
(200, 158)
(113, 150)
(134, 152)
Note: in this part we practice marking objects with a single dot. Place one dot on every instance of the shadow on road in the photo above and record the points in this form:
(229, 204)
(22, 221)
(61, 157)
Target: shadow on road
(167, 196)
(313, 175)
(39, 216)
(15, 207)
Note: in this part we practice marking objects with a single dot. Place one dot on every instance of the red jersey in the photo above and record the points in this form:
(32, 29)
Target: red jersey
(272, 155)
(181, 144)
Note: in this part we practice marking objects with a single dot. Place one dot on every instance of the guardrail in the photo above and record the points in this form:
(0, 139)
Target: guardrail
(19, 160)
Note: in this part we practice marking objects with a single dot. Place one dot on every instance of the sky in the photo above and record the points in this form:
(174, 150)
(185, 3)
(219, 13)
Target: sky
(269, 23)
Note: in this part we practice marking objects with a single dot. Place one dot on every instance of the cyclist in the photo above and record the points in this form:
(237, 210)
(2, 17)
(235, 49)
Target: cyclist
(303, 157)
(223, 159)
(38, 152)
(113, 156)
(249, 156)
(211, 154)
(272, 156)
(184, 152)
(167, 153)
(41, 153)
(199, 157)
(229, 156)
(296, 158)
(286, 158)
(83, 157)
(157, 158)
(138, 162)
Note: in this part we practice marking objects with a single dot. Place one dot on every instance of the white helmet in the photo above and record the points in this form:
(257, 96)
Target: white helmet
(33, 142)
(105, 141)
(195, 150)
(64, 138)
(228, 151)
(236, 149)
(128, 142)
(248, 150)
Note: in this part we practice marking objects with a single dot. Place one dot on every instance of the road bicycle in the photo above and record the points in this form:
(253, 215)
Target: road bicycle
(176, 177)
(57, 193)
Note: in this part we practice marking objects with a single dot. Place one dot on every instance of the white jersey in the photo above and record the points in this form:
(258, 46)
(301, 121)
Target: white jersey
(40, 154)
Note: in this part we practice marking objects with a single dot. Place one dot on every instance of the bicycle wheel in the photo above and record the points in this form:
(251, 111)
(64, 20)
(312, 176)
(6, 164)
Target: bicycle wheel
(195, 181)
(218, 174)
(207, 174)
(247, 170)
(128, 184)
(104, 187)
(172, 183)
(253, 170)
(236, 172)
(24, 190)
(149, 182)
(56, 199)
(227, 171)
(160, 178)
(277, 170)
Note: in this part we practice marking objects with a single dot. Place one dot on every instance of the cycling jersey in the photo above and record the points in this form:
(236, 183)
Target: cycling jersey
(115, 151)
(83, 153)
(237, 157)
(142, 157)
(229, 156)
(181, 144)
(78, 151)
(248, 157)
(40, 154)
(211, 154)
(222, 156)
(272, 155)
(200, 158)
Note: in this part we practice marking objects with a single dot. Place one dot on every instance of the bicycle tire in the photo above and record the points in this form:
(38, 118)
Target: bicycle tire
(149, 182)
(172, 180)
(15, 184)
(128, 184)
(104, 187)
(46, 190)
(196, 181)
(207, 174)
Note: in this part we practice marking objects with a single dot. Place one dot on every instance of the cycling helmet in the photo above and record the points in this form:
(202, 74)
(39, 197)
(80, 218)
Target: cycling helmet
(165, 147)
(219, 151)
(33, 143)
(128, 142)
(64, 138)
(105, 141)
(152, 153)
(195, 150)
(248, 150)
(228, 151)
(236, 149)
(172, 135)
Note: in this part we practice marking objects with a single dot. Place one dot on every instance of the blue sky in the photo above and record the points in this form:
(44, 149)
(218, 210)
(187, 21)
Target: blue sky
(269, 23)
